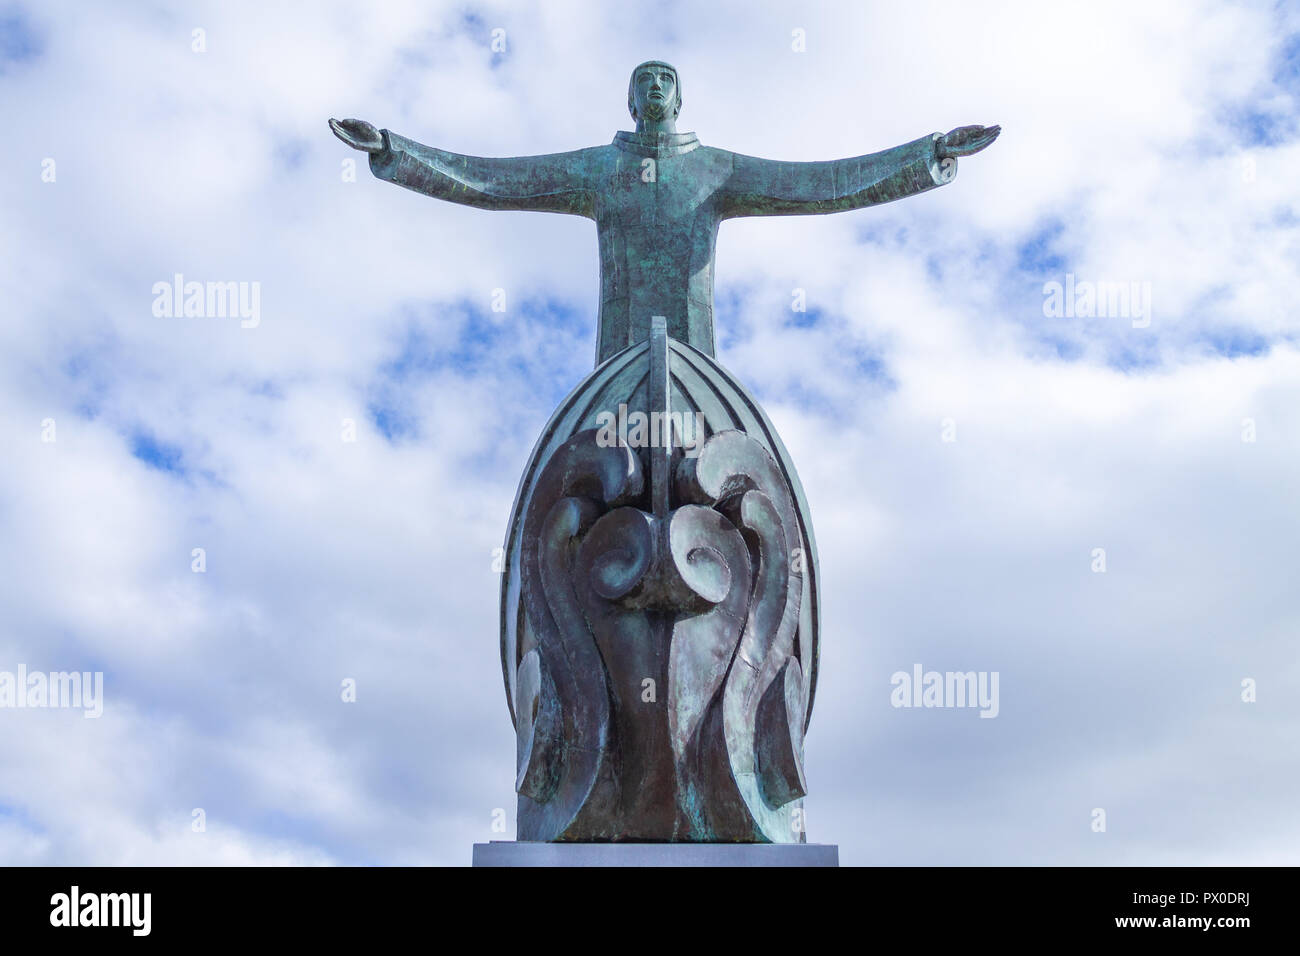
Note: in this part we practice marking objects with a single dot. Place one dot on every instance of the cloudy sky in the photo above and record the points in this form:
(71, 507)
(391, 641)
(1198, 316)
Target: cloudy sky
(1153, 144)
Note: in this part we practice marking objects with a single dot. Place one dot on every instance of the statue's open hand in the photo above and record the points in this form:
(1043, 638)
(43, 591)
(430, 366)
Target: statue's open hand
(965, 140)
(358, 134)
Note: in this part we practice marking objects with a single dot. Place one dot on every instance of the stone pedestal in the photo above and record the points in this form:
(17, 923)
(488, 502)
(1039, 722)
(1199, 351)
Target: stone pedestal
(520, 853)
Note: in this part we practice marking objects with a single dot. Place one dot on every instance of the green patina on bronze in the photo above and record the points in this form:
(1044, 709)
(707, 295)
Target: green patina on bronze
(660, 605)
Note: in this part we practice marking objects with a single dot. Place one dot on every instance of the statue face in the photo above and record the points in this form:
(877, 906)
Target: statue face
(655, 91)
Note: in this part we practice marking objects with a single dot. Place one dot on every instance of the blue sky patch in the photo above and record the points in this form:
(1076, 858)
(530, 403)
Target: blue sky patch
(1234, 342)
(1039, 254)
(156, 453)
(19, 42)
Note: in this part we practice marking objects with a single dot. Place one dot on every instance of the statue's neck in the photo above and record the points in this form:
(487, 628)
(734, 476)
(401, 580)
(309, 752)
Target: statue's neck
(667, 125)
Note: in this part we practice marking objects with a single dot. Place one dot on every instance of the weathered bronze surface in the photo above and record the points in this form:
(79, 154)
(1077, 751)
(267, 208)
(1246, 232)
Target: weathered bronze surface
(660, 600)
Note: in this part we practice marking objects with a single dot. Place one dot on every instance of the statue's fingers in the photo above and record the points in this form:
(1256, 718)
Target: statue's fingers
(975, 134)
(358, 134)
(977, 143)
(342, 132)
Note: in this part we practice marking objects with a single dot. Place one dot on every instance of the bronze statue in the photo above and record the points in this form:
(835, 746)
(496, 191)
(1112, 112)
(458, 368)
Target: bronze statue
(660, 600)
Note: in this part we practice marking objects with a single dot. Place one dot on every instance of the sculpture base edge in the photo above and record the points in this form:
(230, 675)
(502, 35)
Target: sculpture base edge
(519, 853)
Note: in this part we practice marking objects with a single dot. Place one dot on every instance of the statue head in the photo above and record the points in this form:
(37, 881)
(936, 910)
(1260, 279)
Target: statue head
(653, 92)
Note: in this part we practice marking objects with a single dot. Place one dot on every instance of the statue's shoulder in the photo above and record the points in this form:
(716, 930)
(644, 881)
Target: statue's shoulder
(603, 151)
(595, 157)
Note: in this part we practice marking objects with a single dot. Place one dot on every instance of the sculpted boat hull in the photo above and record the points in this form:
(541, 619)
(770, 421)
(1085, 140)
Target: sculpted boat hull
(659, 611)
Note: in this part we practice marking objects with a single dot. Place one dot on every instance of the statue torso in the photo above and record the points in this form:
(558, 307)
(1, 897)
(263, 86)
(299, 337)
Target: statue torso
(657, 220)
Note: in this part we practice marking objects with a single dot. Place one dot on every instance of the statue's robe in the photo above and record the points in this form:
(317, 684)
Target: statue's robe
(657, 200)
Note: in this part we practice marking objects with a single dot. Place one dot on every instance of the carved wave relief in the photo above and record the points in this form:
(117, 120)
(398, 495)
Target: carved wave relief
(659, 613)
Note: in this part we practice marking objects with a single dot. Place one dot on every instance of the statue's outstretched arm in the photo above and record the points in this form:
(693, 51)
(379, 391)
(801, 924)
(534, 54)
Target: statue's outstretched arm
(767, 187)
(558, 182)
